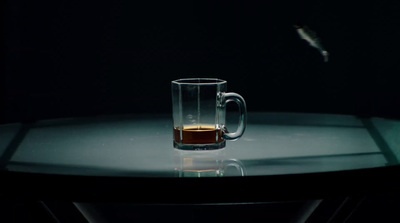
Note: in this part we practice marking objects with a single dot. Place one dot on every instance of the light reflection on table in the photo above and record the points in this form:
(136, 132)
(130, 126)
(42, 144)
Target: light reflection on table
(141, 145)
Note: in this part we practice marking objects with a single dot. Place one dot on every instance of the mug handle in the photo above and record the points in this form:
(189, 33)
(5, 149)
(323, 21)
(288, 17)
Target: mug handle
(228, 97)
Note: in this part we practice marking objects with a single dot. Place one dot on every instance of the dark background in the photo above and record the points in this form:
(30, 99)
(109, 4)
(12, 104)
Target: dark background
(84, 58)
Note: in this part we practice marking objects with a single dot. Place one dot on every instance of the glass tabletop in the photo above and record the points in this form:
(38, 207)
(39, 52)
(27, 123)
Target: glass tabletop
(141, 146)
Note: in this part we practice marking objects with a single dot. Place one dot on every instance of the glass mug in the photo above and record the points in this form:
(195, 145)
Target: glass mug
(199, 109)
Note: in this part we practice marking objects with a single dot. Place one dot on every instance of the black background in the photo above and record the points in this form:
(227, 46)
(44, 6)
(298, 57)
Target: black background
(85, 58)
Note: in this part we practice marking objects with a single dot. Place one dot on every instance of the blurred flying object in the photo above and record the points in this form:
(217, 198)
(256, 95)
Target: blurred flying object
(311, 37)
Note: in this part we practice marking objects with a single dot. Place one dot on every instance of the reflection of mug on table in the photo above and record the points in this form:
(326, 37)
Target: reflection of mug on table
(207, 164)
(199, 107)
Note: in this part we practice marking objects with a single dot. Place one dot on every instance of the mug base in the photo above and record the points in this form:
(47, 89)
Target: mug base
(198, 147)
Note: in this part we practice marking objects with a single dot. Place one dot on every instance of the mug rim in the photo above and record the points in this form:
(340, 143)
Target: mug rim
(199, 81)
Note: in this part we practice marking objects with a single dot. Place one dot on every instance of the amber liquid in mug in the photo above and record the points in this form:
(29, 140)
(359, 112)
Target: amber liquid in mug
(198, 135)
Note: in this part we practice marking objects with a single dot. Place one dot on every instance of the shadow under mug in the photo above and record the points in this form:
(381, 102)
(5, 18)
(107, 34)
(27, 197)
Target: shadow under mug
(199, 110)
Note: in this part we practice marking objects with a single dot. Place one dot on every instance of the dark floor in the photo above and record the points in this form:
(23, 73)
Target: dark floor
(374, 208)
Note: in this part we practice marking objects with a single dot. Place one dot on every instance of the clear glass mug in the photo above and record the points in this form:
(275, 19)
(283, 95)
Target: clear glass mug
(199, 110)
